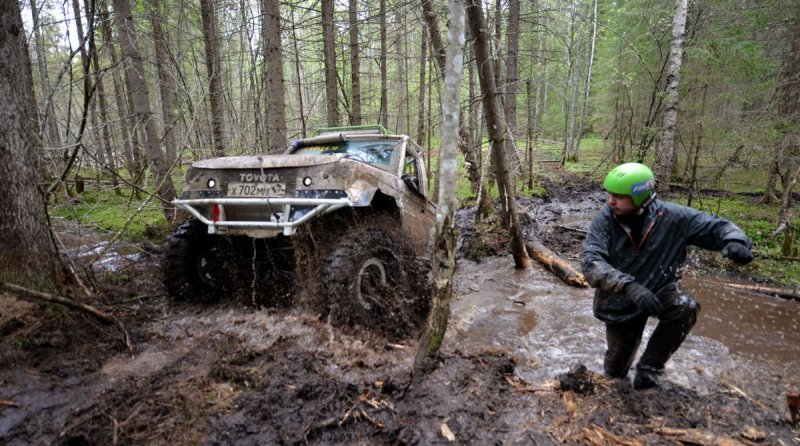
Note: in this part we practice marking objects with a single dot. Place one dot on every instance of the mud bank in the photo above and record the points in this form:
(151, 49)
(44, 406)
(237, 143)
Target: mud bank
(231, 374)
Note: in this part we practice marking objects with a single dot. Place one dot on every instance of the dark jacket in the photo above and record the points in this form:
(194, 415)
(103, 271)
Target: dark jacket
(610, 259)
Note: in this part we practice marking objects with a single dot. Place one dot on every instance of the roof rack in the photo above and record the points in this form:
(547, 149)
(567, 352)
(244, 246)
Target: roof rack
(353, 130)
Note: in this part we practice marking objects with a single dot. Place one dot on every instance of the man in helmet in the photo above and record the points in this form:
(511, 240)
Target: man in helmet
(633, 254)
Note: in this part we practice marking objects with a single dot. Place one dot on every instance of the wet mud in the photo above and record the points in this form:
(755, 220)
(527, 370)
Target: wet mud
(521, 353)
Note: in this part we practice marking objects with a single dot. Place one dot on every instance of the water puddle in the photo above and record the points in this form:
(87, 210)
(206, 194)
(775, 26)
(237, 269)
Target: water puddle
(744, 340)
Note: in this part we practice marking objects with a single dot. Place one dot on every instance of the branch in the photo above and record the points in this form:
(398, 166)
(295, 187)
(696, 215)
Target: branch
(52, 298)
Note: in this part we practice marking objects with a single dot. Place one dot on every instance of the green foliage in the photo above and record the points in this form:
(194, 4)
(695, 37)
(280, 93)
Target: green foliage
(758, 222)
(102, 209)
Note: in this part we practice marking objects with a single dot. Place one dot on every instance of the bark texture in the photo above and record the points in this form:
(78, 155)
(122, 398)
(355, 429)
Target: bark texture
(28, 256)
(134, 68)
(329, 53)
(214, 71)
(497, 132)
(444, 258)
(666, 149)
(355, 63)
(273, 75)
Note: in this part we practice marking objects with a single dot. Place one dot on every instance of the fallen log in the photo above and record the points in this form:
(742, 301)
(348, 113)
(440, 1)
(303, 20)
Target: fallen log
(555, 264)
(52, 298)
(786, 293)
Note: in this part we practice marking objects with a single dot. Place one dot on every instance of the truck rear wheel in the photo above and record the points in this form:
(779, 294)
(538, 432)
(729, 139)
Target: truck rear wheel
(197, 266)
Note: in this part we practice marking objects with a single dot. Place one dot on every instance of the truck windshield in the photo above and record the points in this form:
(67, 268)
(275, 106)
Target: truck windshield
(376, 153)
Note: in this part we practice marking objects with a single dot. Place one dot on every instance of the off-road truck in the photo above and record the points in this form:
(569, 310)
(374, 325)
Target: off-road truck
(340, 223)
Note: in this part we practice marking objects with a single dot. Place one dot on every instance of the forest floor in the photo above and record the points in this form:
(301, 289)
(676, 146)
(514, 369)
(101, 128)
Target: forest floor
(230, 374)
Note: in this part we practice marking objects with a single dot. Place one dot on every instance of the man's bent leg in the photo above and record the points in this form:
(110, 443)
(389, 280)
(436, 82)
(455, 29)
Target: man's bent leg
(623, 340)
(675, 322)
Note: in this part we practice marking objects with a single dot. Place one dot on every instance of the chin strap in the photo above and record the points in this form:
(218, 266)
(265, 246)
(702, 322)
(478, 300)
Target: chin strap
(649, 200)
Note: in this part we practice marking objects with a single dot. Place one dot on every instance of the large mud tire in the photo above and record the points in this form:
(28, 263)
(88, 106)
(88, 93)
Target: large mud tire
(197, 266)
(369, 276)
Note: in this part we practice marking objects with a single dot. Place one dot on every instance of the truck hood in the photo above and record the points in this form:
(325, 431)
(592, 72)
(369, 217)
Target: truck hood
(266, 161)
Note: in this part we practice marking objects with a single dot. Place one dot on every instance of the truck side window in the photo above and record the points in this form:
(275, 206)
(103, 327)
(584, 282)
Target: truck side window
(410, 166)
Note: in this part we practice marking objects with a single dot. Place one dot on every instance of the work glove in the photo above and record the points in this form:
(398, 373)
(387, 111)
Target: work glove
(643, 298)
(738, 252)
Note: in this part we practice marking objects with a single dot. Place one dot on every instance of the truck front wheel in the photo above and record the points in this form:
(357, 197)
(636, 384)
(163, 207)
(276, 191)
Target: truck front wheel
(197, 265)
(374, 279)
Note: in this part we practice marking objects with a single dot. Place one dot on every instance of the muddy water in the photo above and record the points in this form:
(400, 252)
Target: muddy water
(745, 341)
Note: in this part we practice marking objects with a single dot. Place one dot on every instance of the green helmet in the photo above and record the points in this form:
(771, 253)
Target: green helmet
(634, 180)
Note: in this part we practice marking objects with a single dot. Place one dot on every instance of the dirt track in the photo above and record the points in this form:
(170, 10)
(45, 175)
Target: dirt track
(228, 374)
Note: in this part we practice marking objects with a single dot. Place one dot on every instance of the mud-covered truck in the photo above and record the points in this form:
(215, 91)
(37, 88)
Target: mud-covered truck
(340, 223)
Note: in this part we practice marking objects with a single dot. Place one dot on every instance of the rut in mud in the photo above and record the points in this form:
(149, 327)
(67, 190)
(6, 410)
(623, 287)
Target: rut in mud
(229, 373)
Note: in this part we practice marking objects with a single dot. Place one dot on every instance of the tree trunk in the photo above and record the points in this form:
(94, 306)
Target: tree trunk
(383, 116)
(119, 95)
(423, 65)
(48, 117)
(529, 134)
(512, 34)
(355, 63)
(303, 129)
(165, 83)
(401, 90)
(88, 87)
(273, 74)
(134, 68)
(540, 82)
(697, 148)
(444, 258)
(329, 52)
(470, 151)
(666, 150)
(101, 103)
(435, 35)
(497, 133)
(572, 154)
(28, 256)
(588, 85)
(214, 71)
(572, 62)
(789, 111)
(786, 153)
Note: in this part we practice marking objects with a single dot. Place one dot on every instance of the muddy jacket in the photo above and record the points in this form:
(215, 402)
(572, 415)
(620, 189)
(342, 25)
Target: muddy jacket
(610, 259)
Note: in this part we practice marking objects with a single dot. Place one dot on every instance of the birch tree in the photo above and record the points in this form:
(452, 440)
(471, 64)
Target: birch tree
(666, 151)
(444, 258)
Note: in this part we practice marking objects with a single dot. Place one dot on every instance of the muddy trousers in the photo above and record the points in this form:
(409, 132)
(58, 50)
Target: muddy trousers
(675, 321)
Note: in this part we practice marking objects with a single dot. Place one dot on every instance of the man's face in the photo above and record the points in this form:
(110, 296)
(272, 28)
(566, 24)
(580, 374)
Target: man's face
(620, 204)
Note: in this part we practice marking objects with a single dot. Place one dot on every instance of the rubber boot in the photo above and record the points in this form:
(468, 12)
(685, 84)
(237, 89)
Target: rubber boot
(647, 378)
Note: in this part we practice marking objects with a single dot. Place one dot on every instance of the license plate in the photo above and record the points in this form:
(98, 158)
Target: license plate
(259, 190)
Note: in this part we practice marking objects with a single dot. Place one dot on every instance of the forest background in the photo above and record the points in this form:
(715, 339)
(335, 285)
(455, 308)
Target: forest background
(129, 93)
